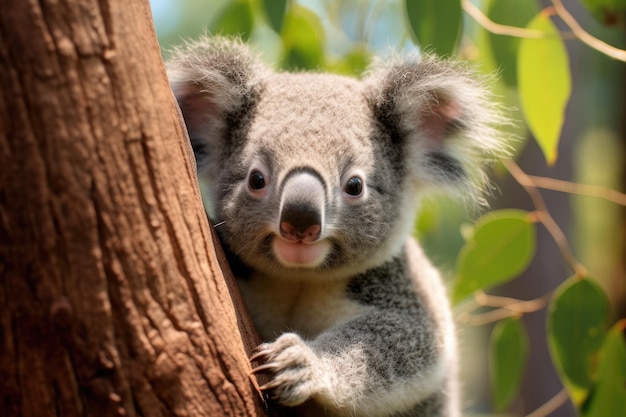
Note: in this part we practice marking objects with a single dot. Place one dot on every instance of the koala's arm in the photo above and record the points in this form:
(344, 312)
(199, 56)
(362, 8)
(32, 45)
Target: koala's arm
(399, 356)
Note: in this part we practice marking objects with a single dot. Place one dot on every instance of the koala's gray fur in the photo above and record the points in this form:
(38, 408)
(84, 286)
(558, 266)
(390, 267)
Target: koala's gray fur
(314, 181)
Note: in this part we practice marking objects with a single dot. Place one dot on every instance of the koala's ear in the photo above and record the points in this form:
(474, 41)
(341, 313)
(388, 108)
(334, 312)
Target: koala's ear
(443, 116)
(215, 80)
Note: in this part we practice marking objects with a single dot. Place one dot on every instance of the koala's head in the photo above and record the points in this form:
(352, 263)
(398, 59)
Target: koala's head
(318, 174)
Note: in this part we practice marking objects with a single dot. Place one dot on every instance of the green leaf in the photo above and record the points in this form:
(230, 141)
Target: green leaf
(544, 84)
(501, 248)
(577, 321)
(513, 13)
(237, 19)
(303, 39)
(508, 350)
(607, 12)
(435, 24)
(275, 11)
(608, 397)
(353, 63)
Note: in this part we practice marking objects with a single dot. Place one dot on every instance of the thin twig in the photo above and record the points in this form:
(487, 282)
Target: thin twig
(580, 189)
(543, 215)
(551, 405)
(577, 31)
(585, 36)
(513, 304)
(486, 318)
(497, 28)
(506, 307)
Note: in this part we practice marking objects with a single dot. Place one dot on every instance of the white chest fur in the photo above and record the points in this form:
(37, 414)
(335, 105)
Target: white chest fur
(306, 308)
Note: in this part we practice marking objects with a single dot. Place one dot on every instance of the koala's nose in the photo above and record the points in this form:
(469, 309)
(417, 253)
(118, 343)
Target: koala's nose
(302, 207)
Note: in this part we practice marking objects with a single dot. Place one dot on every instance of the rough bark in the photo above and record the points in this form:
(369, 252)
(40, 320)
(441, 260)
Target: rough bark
(112, 299)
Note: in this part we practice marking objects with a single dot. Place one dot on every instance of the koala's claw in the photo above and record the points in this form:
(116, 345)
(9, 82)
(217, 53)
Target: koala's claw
(270, 385)
(261, 352)
(263, 369)
(291, 363)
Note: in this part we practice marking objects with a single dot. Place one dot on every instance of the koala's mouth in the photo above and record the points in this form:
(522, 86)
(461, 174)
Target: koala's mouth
(299, 254)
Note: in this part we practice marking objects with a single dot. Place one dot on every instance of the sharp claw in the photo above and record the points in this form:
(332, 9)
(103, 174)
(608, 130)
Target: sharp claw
(258, 355)
(261, 369)
(275, 397)
(260, 347)
(269, 385)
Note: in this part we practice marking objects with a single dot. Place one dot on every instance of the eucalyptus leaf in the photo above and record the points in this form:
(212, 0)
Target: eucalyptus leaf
(303, 39)
(515, 13)
(544, 84)
(508, 352)
(607, 12)
(237, 19)
(577, 321)
(275, 11)
(502, 246)
(353, 62)
(608, 397)
(436, 25)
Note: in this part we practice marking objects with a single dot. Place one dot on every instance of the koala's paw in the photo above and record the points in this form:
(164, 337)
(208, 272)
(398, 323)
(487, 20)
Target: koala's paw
(292, 365)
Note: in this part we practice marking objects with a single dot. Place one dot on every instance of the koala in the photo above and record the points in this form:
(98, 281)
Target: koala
(313, 183)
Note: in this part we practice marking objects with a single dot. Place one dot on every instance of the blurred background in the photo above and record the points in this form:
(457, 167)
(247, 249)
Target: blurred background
(344, 36)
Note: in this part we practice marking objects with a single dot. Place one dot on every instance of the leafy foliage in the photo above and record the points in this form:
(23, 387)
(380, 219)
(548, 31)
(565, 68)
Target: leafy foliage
(508, 353)
(608, 12)
(501, 247)
(514, 13)
(275, 10)
(608, 396)
(544, 84)
(303, 41)
(577, 322)
(237, 19)
(435, 24)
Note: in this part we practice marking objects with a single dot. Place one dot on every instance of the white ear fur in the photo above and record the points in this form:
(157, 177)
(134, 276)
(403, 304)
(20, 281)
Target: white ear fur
(212, 78)
(446, 116)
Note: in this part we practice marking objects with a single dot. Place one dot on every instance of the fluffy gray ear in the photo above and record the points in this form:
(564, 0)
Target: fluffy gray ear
(443, 116)
(215, 81)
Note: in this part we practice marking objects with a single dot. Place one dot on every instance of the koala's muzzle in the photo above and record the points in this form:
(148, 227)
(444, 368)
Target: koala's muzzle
(302, 207)
(300, 242)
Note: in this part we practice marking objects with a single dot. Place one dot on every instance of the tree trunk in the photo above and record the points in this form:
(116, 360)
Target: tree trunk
(112, 298)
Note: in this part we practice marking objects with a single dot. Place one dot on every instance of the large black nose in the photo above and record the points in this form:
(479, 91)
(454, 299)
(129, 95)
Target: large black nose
(302, 207)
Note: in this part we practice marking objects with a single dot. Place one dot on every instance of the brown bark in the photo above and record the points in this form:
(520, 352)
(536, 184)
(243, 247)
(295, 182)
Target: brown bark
(112, 299)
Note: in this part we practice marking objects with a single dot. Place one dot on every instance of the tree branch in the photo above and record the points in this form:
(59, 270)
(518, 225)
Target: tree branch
(505, 307)
(585, 36)
(580, 189)
(577, 32)
(499, 29)
(544, 216)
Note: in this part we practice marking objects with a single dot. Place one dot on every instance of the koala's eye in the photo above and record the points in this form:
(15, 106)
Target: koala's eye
(354, 186)
(256, 180)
